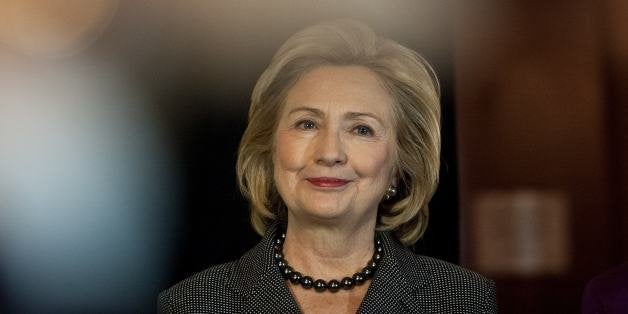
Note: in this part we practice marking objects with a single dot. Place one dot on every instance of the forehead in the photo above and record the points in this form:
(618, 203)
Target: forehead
(341, 88)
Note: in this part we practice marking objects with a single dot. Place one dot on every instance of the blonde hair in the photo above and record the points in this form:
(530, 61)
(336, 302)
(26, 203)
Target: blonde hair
(408, 78)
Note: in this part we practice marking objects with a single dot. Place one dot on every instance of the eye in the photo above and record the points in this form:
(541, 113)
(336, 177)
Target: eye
(363, 130)
(306, 125)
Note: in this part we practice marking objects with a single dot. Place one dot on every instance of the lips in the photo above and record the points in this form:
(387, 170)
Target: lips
(326, 182)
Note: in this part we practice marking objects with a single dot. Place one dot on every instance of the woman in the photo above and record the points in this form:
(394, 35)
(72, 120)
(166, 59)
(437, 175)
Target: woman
(339, 161)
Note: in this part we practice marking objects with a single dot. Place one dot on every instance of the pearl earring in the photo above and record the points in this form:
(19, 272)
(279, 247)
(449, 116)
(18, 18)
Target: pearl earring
(390, 192)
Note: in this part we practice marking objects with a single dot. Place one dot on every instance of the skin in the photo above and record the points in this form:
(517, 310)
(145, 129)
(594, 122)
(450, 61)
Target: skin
(336, 122)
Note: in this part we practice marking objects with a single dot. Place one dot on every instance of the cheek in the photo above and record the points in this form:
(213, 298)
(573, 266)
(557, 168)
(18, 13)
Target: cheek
(289, 153)
(375, 162)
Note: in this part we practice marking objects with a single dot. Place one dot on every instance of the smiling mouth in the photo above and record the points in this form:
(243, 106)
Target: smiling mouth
(325, 182)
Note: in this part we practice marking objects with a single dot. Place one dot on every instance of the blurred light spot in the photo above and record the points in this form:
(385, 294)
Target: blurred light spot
(86, 192)
(53, 28)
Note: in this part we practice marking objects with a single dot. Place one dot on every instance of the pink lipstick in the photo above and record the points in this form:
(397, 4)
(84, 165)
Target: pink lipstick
(326, 182)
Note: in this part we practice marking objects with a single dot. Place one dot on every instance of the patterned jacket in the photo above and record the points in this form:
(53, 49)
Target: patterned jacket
(404, 283)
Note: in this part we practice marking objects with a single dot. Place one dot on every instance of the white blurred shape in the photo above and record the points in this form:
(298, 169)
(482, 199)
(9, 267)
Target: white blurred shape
(86, 191)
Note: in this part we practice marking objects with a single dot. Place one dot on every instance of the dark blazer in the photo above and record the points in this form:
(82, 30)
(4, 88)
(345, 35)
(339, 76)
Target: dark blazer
(404, 283)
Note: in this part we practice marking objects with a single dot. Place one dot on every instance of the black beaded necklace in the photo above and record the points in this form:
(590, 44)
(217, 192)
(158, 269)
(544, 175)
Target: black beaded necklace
(321, 285)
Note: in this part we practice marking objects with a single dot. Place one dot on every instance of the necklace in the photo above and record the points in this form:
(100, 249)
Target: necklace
(320, 285)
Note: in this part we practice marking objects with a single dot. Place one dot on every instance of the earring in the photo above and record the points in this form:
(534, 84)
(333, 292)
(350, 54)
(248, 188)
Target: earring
(390, 192)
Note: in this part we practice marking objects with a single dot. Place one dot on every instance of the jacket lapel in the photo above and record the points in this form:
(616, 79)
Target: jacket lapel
(392, 288)
(259, 282)
(277, 299)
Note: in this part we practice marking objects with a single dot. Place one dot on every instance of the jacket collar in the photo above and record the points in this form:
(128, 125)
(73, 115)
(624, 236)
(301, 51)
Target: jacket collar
(398, 276)
(255, 272)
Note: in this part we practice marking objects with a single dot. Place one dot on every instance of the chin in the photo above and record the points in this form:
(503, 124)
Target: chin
(326, 212)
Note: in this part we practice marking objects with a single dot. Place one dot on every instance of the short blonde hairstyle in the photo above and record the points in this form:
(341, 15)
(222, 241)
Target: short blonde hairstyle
(408, 78)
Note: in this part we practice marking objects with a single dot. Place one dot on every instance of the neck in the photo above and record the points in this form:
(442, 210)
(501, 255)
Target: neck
(328, 252)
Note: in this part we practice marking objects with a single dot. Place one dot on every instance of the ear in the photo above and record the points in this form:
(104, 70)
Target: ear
(394, 180)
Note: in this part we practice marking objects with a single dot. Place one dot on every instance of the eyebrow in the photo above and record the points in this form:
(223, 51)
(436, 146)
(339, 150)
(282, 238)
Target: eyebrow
(349, 115)
(315, 111)
(354, 115)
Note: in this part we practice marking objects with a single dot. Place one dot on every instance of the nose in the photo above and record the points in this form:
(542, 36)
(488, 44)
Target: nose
(330, 150)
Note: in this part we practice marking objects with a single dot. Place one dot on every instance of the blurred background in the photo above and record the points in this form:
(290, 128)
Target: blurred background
(120, 121)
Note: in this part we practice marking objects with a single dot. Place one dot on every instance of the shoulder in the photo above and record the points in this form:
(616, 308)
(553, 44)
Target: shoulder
(204, 291)
(448, 286)
(223, 288)
(447, 274)
(612, 279)
(607, 290)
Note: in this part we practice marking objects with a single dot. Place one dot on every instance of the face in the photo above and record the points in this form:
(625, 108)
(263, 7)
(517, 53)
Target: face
(335, 145)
